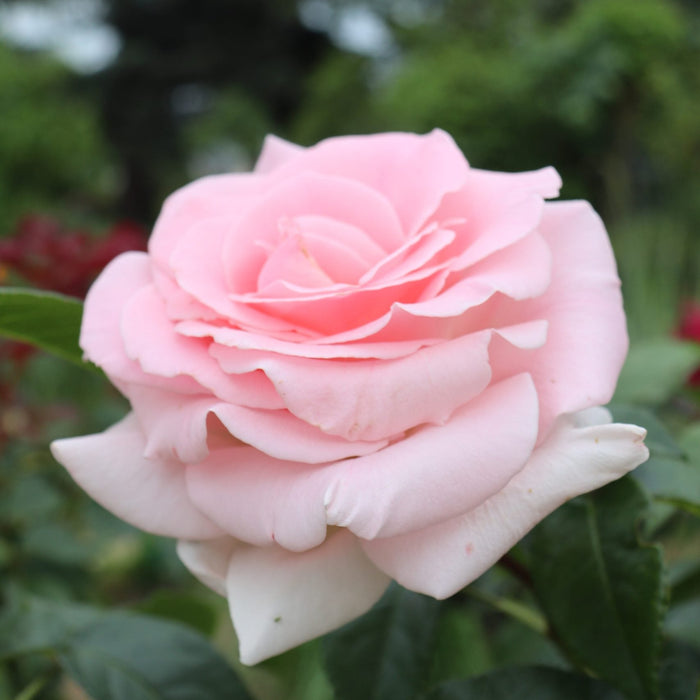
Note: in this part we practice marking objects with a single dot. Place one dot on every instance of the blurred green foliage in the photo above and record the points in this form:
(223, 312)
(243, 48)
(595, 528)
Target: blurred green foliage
(52, 153)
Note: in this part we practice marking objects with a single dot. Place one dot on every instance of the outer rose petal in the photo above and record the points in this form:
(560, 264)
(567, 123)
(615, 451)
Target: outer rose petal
(180, 426)
(150, 494)
(438, 471)
(434, 473)
(208, 560)
(206, 198)
(576, 458)
(279, 599)
(586, 343)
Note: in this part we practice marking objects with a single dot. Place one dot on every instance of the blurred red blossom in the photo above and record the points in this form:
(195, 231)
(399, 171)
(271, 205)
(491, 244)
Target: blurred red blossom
(689, 329)
(48, 256)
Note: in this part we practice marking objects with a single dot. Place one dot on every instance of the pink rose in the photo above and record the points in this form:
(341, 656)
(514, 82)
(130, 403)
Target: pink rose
(367, 335)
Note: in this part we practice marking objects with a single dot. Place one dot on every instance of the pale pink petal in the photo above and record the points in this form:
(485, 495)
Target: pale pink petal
(211, 197)
(438, 471)
(444, 558)
(497, 209)
(279, 599)
(259, 499)
(100, 334)
(335, 310)
(150, 494)
(248, 340)
(150, 338)
(414, 254)
(587, 340)
(374, 399)
(520, 271)
(266, 223)
(292, 262)
(413, 172)
(175, 425)
(432, 474)
(275, 152)
(208, 560)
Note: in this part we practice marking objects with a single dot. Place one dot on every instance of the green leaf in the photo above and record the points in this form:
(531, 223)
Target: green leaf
(185, 608)
(295, 675)
(48, 320)
(655, 370)
(683, 622)
(602, 589)
(527, 683)
(124, 656)
(119, 655)
(672, 480)
(680, 672)
(387, 652)
(461, 648)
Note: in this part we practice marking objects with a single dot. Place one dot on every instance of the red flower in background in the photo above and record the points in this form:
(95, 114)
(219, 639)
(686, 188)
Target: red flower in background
(48, 256)
(689, 329)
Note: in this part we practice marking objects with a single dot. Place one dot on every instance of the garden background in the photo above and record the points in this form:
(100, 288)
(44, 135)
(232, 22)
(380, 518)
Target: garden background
(106, 107)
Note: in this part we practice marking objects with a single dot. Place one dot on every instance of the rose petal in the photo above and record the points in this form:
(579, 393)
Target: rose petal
(587, 342)
(279, 600)
(307, 194)
(431, 475)
(100, 334)
(519, 271)
(275, 152)
(259, 499)
(174, 425)
(211, 197)
(374, 399)
(208, 560)
(150, 338)
(446, 557)
(413, 172)
(498, 209)
(150, 494)
(438, 471)
(247, 340)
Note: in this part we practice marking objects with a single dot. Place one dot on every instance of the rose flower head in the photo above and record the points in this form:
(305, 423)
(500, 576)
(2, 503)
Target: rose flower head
(363, 361)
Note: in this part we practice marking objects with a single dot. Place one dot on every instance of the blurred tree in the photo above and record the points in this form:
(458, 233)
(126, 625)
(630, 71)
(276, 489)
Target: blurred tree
(51, 151)
(591, 87)
(175, 57)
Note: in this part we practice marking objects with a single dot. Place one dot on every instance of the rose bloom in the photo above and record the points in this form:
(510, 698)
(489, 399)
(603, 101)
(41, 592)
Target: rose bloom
(363, 361)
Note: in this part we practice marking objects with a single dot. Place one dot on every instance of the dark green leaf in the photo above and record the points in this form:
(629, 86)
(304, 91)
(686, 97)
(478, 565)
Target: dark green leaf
(124, 656)
(32, 625)
(673, 480)
(45, 319)
(527, 683)
(182, 607)
(655, 370)
(297, 674)
(119, 655)
(680, 672)
(461, 649)
(387, 652)
(600, 588)
(683, 622)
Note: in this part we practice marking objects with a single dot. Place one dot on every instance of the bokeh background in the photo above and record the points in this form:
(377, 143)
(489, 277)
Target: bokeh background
(106, 106)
